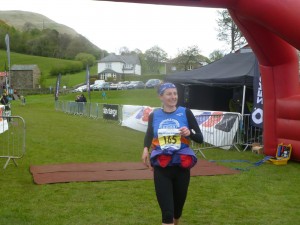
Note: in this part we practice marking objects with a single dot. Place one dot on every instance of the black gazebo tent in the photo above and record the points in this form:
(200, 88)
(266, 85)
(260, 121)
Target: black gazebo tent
(212, 86)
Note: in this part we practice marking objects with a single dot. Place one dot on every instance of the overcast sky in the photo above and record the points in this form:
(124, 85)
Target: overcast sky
(111, 25)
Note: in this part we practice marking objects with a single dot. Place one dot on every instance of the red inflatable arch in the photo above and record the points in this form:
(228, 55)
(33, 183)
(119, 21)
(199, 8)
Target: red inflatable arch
(271, 29)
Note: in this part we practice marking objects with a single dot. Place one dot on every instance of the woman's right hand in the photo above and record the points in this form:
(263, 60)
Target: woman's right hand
(145, 157)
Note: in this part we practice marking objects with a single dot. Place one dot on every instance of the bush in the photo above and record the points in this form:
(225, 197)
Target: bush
(86, 59)
(72, 67)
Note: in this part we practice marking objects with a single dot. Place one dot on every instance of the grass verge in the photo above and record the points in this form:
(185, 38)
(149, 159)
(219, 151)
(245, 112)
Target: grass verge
(266, 194)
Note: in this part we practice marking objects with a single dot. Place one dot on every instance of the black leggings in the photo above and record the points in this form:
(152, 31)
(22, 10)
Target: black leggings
(171, 186)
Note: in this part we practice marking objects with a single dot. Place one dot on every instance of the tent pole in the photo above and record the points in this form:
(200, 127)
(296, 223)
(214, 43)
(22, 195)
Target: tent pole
(243, 102)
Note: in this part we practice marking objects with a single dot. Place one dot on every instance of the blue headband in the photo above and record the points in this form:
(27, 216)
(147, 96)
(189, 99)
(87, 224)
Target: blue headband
(164, 87)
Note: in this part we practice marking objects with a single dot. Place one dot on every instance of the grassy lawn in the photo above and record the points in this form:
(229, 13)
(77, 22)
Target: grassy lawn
(266, 194)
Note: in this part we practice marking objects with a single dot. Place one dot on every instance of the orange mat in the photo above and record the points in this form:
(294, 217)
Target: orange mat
(104, 171)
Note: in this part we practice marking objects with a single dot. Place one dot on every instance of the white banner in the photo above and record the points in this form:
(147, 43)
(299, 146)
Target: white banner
(218, 128)
(3, 122)
(136, 117)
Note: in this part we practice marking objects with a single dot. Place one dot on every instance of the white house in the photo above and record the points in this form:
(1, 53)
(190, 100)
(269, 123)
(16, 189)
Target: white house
(116, 66)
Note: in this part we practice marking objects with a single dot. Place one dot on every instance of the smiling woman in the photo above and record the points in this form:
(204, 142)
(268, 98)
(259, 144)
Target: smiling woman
(170, 130)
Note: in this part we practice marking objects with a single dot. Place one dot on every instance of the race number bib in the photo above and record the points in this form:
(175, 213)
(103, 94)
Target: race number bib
(169, 138)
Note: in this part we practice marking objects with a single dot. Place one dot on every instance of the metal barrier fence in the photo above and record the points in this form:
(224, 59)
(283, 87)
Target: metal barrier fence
(219, 130)
(12, 138)
(230, 130)
(77, 108)
(250, 134)
(91, 110)
(241, 136)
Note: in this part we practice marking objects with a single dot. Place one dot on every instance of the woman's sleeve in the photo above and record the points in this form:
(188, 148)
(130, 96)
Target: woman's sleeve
(149, 133)
(196, 134)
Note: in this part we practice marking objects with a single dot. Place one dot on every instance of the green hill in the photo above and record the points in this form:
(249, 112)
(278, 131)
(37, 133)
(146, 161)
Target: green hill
(18, 19)
(45, 64)
(34, 34)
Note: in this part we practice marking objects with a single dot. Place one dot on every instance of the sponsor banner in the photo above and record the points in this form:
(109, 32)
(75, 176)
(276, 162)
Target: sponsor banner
(218, 128)
(257, 112)
(7, 49)
(136, 117)
(110, 112)
(3, 122)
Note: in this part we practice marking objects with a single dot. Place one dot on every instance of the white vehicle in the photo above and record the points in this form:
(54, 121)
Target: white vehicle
(118, 86)
(99, 81)
(80, 88)
(113, 86)
(96, 87)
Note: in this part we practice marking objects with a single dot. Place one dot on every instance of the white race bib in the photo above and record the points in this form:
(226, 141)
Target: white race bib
(169, 138)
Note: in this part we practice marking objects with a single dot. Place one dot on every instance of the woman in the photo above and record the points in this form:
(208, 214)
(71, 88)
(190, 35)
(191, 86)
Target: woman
(170, 129)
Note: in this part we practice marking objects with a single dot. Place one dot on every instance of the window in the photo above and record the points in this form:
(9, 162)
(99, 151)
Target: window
(108, 65)
(128, 66)
(190, 67)
(102, 77)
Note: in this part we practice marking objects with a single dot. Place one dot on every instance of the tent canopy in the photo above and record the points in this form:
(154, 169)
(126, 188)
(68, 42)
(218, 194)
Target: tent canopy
(211, 87)
(234, 69)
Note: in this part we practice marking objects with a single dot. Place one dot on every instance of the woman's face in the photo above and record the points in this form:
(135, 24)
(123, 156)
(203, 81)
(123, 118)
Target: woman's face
(169, 98)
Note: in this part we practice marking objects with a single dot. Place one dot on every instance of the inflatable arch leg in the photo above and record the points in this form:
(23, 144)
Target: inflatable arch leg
(271, 29)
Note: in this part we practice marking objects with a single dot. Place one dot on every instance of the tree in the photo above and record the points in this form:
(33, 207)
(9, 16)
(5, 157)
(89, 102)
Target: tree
(124, 50)
(228, 31)
(63, 43)
(216, 55)
(189, 56)
(154, 57)
(47, 42)
(137, 51)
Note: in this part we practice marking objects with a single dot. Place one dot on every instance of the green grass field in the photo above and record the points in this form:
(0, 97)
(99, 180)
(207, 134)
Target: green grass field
(266, 194)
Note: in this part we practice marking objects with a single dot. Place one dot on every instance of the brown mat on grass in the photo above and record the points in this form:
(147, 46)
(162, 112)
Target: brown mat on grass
(75, 172)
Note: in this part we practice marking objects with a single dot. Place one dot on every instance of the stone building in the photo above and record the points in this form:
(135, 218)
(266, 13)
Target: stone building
(24, 76)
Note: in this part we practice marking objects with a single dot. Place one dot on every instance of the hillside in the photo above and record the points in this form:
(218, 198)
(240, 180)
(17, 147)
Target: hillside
(45, 64)
(35, 34)
(18, 19)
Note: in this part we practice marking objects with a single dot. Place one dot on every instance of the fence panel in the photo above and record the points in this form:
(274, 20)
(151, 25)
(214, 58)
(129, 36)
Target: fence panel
(224, 130)
(12, 138)
(250, 134)
(95, 110)
(219, 130)
(242, 134)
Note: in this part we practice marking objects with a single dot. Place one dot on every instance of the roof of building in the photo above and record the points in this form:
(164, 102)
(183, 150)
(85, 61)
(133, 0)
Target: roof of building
(109, 71)
(127, 59)
(24, 67)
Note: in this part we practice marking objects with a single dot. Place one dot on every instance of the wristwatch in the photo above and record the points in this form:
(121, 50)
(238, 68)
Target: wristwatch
(192, 132)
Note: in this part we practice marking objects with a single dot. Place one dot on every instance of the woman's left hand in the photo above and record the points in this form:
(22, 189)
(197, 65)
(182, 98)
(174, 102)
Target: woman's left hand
(184, 131)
